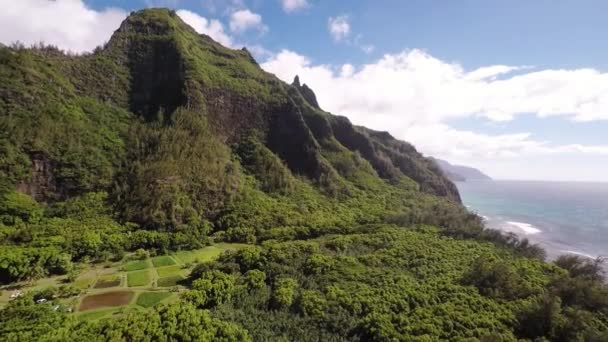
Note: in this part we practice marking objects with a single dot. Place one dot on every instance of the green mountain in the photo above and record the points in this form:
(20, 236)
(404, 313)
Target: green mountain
(460, 173)
(164, 140)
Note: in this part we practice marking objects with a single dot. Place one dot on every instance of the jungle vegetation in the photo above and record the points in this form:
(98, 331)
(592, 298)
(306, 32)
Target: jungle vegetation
(163, 140)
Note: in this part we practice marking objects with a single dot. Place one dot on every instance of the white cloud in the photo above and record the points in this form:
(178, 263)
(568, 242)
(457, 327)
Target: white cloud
(490, 72)
(339, 27)
(213, 28)
(294, 5)
(466, 145)
(367, 48)
(430, 90)
(162, 3)
(243, 20)
(340, 30)
(414, 96)
(71, 25)
(226, 6)
(68, 24)
(259, 52)
(347, 70)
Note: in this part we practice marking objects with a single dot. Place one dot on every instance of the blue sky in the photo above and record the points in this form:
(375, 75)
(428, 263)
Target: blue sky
(549, 33)
(517, 88)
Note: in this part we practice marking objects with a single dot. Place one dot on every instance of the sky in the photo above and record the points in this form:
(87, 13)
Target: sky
(518, 89)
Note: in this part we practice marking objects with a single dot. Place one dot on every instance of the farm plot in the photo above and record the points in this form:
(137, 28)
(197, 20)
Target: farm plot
(161, 261)
(169, 281)
(137, 265)
(107, 281)
(138, 278)
(149, 299)
(108, 299)
(169, 271)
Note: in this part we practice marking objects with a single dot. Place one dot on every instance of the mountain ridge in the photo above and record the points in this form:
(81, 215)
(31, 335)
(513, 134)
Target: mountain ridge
(150, 57)
(162, 143)
(460, 173)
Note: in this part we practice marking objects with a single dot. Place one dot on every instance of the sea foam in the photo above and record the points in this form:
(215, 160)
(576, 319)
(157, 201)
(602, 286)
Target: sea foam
(579, 253)
(526, 228)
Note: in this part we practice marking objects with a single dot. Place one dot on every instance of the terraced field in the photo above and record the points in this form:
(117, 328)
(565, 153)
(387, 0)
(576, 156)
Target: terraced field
(111, 288)
(107, 299)
(138, 278)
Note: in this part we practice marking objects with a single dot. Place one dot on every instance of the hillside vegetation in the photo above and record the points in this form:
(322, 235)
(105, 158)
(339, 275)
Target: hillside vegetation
(163, 140)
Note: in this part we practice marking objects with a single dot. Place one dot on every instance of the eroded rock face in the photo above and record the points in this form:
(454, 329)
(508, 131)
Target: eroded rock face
(41, 184)
(392, 158)
(233, 115)
(157, 78)
(291, 139)
(353, 139)
(144, 49)
(411, 163)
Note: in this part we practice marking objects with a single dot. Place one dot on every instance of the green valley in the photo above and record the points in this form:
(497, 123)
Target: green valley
(165, 187)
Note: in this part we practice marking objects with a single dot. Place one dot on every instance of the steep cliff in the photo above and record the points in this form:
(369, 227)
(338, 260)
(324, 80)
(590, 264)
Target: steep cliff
(158, 118)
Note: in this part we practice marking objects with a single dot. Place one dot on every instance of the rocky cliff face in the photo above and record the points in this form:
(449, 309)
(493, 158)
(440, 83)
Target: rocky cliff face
(41, 184)
(306, 92)
(154, 66)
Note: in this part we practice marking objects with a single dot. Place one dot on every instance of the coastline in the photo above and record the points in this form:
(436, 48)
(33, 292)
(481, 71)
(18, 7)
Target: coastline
(562, 218)
(537, 236)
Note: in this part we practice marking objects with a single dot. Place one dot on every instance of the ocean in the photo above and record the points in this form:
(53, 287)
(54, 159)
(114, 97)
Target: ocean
(562, 217)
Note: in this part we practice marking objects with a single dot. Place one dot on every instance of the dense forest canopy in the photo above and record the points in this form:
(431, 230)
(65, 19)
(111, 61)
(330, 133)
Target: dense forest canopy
(163, 140)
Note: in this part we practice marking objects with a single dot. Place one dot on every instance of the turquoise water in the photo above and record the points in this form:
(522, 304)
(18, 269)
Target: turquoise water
(563, 217)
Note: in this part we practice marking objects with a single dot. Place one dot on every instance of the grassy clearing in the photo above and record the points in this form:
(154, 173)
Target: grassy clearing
(161, 261)
(169, 271)
(137, 265)
(107, 281)
(208, 253)
(169, 281)
(149, 299)
(201, 255)
(110, 277)
(138, 278)
(5, 296)
(231, 246)
(105, 284)
(84, 282)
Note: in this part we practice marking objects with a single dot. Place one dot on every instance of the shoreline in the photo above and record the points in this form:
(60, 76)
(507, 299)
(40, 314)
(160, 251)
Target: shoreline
(561, 217)
(535, 235)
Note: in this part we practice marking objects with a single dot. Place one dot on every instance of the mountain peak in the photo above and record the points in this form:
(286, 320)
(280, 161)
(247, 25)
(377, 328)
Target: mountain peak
(296, 82)
(159, 69)
(306, 92)
(150, 21)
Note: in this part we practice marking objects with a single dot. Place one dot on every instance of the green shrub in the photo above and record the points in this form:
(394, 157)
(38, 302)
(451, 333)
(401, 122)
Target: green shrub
(284, 292)
(211, 289)
(141, 254)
